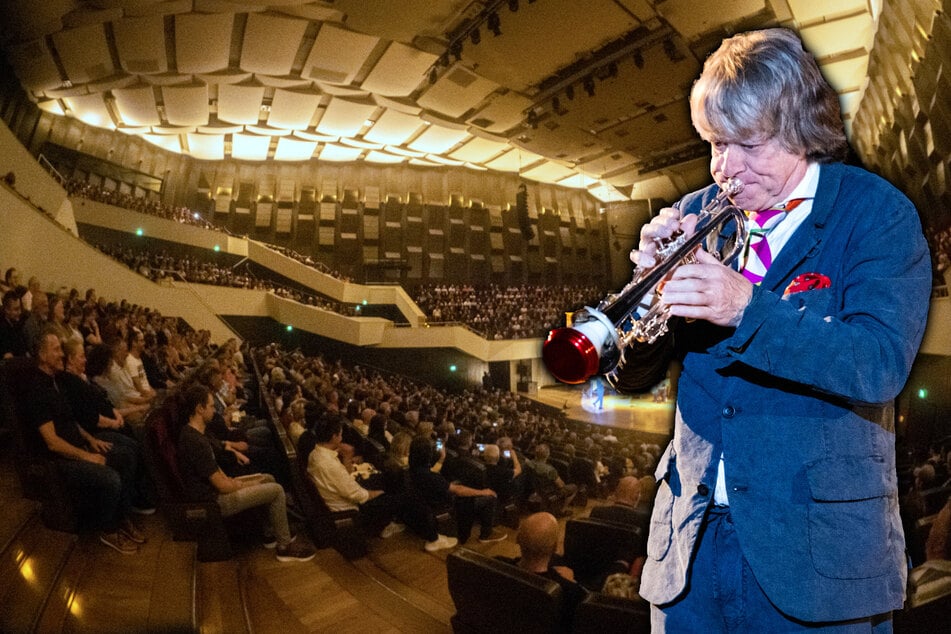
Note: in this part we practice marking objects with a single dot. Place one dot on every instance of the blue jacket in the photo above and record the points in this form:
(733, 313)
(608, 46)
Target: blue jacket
(799, 399)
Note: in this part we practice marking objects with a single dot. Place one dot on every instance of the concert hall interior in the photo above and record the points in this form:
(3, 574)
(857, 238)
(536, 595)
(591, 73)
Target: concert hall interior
(376, 212)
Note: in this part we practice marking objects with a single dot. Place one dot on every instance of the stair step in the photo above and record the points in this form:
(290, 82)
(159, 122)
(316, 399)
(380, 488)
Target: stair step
(220, 601)
(30, 567)
(267, 611)
(172, 605)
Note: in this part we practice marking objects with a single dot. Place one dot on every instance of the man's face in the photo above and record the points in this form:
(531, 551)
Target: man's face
(12, 309)
(139, 343)
(41, 305)
(208, 411)
(76, 362)
(51, 354)
(768, 171)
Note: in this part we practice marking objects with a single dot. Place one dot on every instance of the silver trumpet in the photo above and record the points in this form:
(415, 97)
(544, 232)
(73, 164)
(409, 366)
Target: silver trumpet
(594, 340)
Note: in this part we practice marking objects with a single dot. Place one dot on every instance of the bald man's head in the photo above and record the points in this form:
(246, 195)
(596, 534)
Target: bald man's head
(628, 491)
(538, 537)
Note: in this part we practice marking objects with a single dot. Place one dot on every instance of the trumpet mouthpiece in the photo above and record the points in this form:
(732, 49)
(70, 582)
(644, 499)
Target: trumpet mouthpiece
(733, 187)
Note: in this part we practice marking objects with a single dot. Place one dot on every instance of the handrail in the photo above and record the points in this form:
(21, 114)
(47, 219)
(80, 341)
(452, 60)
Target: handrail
(45, 163)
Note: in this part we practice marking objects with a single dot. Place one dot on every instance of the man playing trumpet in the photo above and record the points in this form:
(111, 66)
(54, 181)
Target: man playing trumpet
(777, 507)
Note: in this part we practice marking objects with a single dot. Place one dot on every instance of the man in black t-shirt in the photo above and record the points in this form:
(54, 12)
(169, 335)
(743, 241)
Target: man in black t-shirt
(99, 475)
(204, 481)
(12, 339)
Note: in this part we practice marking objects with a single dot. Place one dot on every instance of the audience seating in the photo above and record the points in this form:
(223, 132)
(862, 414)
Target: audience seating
(189, 521)
(603, 614)
(593, 546)
(39, 478)
(373, 452)
(338, 529)
(494, 596)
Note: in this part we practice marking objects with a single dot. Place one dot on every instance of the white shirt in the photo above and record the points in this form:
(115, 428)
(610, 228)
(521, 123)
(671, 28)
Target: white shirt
(335, 485)
(778, 238)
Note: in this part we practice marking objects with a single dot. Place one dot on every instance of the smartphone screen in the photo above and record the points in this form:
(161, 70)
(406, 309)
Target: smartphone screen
(507, 453)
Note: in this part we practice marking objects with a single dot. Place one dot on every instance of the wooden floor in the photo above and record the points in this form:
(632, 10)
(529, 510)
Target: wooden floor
(58, 582)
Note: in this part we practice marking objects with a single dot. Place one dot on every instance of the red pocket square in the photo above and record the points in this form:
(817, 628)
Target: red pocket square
(807, 282)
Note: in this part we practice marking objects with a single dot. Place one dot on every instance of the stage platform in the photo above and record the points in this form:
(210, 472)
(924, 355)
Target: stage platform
(650, 413)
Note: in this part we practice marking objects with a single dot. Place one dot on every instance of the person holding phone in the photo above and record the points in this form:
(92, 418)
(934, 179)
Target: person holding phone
(499, 475)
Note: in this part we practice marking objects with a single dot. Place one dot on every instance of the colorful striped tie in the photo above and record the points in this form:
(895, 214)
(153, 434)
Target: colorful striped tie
(758, 255)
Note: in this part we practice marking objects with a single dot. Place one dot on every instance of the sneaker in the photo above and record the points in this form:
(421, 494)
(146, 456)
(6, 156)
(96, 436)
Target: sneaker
(392, 529)
(294, 552)
(491, 538)
(131, 532)
(118, 542)
(441, 542)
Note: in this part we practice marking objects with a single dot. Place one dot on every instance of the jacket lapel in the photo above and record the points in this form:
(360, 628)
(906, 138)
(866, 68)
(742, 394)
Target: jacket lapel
(805, 242)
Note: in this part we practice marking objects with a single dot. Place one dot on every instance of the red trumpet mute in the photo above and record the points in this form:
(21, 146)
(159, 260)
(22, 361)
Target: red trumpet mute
(570, 356)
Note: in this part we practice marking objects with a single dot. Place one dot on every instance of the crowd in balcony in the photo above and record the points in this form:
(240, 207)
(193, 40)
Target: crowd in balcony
(147, 205)
(504, 312)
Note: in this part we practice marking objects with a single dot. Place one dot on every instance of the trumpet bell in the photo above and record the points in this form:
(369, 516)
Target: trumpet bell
(575, 354)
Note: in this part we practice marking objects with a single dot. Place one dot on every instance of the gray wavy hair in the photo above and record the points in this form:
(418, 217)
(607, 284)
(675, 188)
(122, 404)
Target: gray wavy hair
(764, 84)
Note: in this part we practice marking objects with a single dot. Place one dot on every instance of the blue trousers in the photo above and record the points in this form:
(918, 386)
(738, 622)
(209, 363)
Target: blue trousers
(724, 596)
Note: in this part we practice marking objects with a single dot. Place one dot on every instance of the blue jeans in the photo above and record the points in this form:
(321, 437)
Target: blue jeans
(723, 595)
(96, 491)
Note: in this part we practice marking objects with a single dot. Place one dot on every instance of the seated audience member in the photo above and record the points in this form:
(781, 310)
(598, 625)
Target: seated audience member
(501, 476)
(95, 413)
(340, 491)
(938, 545)
(100, 475)
(437, 493)
(626, 508)
(204, 481)
(378, 431)
(12, 338)
(621, 585)
(134, 365)
(545, 478)
(396, 463)
(99, 360)
(537, 540)
(115, 379)
(36, 318)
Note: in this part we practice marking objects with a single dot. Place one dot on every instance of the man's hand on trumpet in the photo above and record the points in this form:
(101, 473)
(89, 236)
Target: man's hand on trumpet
(706, 289)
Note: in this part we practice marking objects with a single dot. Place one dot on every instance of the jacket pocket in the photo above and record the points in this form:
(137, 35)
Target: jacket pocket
(661, 528)
(849, 523)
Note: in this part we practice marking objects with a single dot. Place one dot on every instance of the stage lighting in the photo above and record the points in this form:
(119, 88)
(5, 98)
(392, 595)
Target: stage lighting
(455, 49)
(570, 92)
(433, 76)
(513, 5)
(475, 36)
(638, 59)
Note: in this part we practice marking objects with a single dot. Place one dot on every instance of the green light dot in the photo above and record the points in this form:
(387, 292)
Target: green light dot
(290, 328)
(452, 368)
(139, 231)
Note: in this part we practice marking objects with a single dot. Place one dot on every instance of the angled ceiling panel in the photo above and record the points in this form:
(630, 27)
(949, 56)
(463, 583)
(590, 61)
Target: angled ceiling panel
(291, 150)
(532, 44)
(140, 43)
(203, 42)
(170, 143)
(206, 147)
(90, 109)
(393, 128)
(343, 117)
(34, 66)
(339, 153)
(457, 91)
(186, 105)
(292, 110)
(513, 161)
(479, 150)
(137, 106)
(271, 44)
(691, 18)
(437, 139)
(502, 113)
(548, 172)
(240, 103)
(250, 147)
(337, 55)
(84, 53)
(399, 71)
